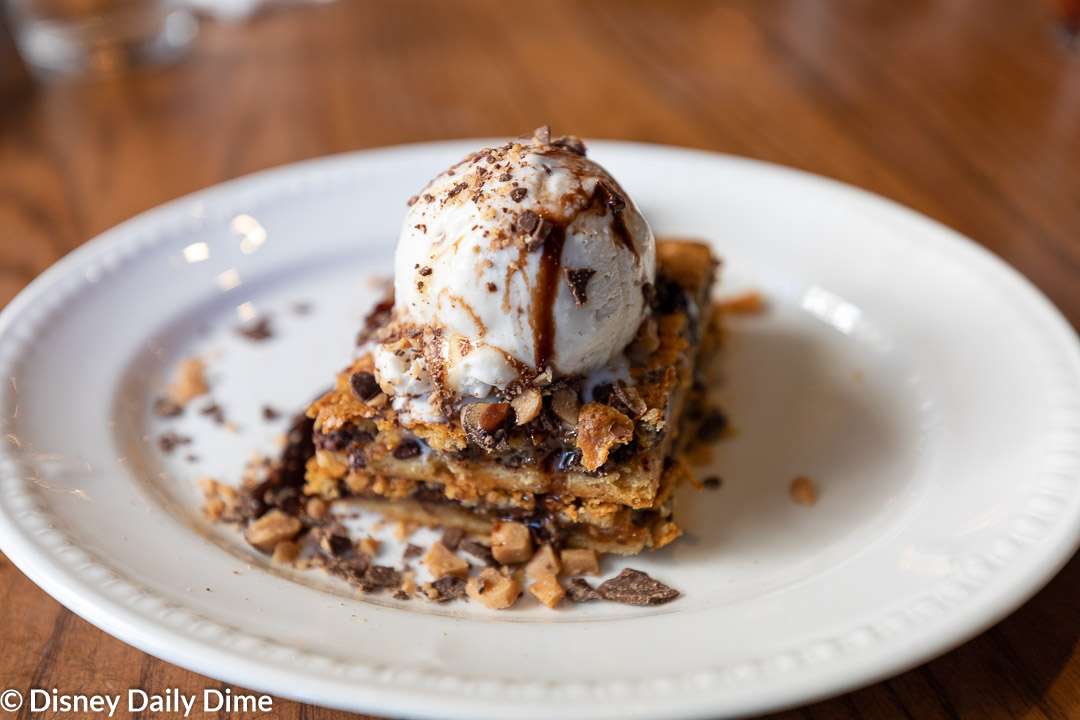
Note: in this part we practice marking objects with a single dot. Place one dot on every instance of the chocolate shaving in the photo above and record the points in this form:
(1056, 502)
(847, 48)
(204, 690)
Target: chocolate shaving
(535, 229)
(382, 576)
(457, 189)
(478, 551)
(425, 271)
(428, 197)
(270, 413)
(412, 551)
(518, 194)
(452, 537)
(505, 177)
(578, 590)
(364, 385)
(570, 142)
(633, 587)
(335, 544)
(492, 287)
(215, 412)
(421, 227)
(449, 588)
(351, 570)
(578, 280)
(167, 407)
(259, 330)
(169, 440)
(712, 482)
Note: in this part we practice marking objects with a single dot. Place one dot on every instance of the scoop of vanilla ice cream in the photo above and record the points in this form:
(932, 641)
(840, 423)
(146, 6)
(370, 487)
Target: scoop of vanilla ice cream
(518, 259)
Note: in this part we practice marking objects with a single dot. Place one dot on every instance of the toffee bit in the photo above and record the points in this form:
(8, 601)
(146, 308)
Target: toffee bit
(364, 385)
(257, 331)
(518, 194)
(633, 587)
(578, 280)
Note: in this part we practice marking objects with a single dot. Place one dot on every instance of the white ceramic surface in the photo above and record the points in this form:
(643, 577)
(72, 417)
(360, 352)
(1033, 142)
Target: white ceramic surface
(929, 390)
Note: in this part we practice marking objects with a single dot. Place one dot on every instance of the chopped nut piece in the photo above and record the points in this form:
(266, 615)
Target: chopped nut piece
(317, 507)
(580, 591)
(441, 562)
(600, 428)
(580, 562)
(633, 587)
(565, 405)
(190, 381)
(483, 423)
(527, 405)
(511, 542)
(547, 590)
(543, 563)
(748, 303)
(804, 491)
(493, 590)
(286, 551)
(272, 528)
(368, 546)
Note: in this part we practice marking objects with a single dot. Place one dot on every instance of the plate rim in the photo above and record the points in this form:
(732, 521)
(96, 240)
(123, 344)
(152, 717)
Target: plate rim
(64, 584)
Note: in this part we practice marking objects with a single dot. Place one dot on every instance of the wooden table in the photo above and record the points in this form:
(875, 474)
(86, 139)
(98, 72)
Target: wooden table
(967, 111)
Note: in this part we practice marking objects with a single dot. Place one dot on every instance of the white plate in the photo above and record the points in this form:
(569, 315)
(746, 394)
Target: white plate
(929, 390)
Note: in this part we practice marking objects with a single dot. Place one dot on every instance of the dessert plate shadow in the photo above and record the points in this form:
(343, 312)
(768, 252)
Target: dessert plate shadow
(928, 390)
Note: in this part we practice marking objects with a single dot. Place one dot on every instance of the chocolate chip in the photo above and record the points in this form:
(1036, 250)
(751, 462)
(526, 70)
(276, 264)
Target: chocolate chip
(478, 551)
(578, 280)
(712, 482)
(712, 427)
(518, 194)
(449, 588)
(492, 287)
(457, 189)
(452, 537)
(412, 551)
(425, 271)
(382, 576)
(270, 413)
(633, 587)
(505, 177)
(407, 449)
(259, 330)
(421, 227)
(167, 407)
(428, 197)
(400, 594)
(609, 197)
(578, 590)
(364, 385)
(411, 201)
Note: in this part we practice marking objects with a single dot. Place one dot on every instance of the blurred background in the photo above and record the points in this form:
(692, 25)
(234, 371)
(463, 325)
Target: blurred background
(966, 110)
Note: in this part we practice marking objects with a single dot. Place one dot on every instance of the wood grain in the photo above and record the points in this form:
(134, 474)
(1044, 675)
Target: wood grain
(964, 110)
